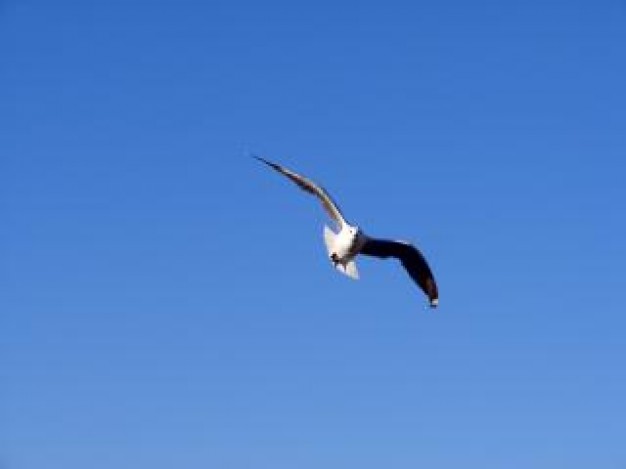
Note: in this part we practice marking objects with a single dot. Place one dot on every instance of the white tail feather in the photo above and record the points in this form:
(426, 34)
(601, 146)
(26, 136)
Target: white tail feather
(349, 269)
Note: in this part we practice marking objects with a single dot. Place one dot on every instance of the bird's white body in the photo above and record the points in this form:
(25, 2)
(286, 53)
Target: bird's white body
(343, 247)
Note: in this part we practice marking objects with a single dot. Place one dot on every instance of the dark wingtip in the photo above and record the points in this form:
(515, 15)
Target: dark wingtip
(258, 158)
(263, 160)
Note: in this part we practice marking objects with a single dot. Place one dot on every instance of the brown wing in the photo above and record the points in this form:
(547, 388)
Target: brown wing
(306, 184)
(412, 260)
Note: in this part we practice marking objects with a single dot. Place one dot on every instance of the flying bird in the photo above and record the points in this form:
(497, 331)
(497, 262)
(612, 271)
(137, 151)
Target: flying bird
(349, 241)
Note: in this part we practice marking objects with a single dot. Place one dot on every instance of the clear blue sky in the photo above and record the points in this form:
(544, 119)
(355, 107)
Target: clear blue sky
(165, 301)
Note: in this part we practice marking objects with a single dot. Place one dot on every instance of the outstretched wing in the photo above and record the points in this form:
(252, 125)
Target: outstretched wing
(412, 260)
(306, 184)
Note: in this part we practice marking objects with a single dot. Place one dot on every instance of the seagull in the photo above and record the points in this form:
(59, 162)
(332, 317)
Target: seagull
(349, 241)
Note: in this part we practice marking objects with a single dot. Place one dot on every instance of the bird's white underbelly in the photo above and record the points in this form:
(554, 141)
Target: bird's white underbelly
(342, 248)
(346, 245)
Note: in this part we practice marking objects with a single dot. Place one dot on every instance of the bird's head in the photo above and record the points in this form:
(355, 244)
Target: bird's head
(357, 237)
(354, 233)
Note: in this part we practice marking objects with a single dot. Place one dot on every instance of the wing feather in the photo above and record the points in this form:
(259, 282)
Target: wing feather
(312, 188)
(412, 260)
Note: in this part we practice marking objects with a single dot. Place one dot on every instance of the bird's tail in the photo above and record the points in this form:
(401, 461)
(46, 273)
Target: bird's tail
(349, 269)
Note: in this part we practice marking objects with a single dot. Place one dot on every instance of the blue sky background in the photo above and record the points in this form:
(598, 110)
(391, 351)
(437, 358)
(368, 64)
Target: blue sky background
(166, 301)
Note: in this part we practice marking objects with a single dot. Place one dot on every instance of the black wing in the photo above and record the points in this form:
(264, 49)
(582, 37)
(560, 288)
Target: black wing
(412, 260)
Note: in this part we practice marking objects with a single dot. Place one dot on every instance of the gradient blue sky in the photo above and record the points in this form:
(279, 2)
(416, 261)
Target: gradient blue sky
(166, 301)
